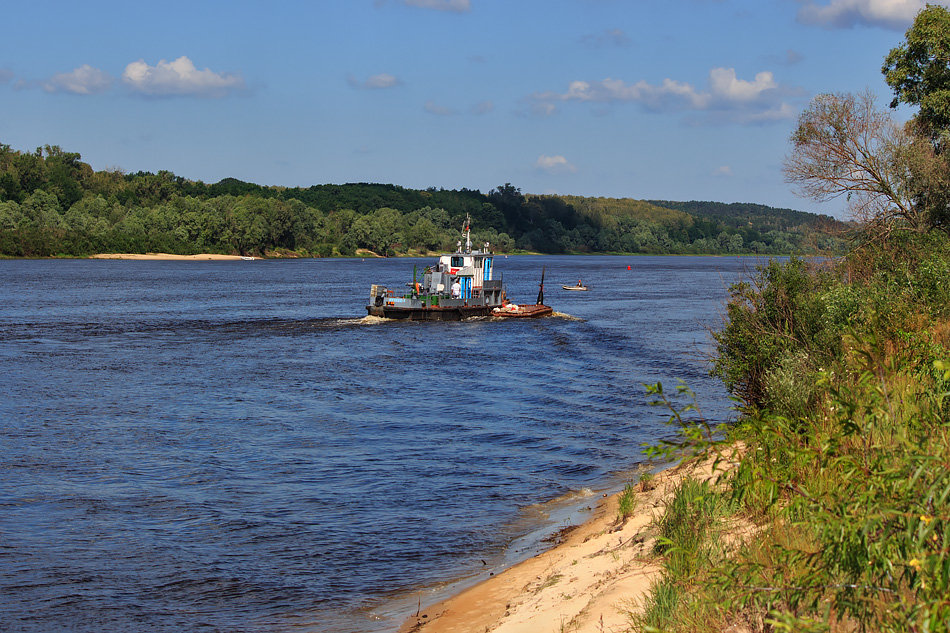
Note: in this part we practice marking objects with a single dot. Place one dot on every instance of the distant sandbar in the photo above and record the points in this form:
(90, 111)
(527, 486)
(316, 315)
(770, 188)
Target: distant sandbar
(202, 256)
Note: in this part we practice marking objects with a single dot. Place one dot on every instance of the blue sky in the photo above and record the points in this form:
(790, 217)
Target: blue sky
(650, 99)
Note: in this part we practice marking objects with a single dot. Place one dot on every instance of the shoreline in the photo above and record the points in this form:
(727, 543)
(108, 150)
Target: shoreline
(171, 257)
(591, 580)
(364, 254)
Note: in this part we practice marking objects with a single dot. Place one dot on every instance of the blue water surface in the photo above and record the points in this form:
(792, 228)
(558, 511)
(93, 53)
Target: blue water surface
(233, 446)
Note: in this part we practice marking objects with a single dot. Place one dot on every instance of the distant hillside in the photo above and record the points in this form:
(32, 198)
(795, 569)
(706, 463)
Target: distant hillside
(606, 211)
(739, 213)
(51, 203)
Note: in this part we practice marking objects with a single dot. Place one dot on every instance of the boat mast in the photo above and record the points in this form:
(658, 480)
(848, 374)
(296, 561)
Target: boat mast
(468, 233)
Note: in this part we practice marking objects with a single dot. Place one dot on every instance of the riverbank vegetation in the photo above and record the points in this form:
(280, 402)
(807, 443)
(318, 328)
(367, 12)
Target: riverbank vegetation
(836, 516)
(53, 204)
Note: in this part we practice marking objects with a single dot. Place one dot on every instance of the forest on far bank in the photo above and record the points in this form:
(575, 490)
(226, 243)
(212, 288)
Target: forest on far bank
(53, 204)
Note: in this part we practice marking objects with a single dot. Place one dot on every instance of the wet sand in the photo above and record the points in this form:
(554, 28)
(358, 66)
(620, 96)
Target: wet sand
(597, 574)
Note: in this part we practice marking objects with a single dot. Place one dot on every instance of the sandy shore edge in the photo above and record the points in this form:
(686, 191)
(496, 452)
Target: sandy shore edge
(598, 573)
(168, 256)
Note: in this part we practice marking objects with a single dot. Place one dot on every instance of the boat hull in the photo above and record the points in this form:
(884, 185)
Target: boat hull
(429, 313)
(526, 312)
(455, 313)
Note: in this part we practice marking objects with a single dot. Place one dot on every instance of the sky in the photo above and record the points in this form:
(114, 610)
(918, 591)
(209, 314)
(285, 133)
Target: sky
(648, 99)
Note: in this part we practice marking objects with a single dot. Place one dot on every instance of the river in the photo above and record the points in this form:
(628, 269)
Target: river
(233, 446)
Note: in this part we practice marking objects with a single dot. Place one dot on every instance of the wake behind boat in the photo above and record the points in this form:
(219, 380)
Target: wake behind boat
(460, 285)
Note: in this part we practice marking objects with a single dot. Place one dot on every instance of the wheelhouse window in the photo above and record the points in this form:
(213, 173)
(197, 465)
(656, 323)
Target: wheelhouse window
(456, 262)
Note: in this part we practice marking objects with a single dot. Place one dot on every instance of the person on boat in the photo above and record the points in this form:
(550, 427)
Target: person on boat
(456, 289)
(579, 284)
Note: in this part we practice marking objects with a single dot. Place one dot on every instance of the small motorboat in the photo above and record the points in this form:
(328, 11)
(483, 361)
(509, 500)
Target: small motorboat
(578, 286)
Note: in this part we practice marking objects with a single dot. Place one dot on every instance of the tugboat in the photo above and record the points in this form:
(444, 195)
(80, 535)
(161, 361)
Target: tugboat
(460, 285)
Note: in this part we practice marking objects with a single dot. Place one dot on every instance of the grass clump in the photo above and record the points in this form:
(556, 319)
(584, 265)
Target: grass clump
(688, 537)
(647, 482)
(684, 533)
(627, 503)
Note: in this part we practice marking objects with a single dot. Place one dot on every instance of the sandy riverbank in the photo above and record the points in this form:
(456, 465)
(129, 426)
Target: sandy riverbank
(597, 574)
(169, 256)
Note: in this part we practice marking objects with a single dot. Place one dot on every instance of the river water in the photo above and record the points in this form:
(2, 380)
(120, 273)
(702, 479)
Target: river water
(233, 446)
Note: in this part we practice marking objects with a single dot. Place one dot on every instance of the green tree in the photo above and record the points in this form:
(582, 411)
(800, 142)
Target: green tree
(249, 228)
(423, 234)
(64, 173)
(918, 71)
(10, 216)
(42, 210)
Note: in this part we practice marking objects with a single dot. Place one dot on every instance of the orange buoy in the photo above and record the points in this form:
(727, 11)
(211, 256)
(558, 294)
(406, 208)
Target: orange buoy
(628, 267)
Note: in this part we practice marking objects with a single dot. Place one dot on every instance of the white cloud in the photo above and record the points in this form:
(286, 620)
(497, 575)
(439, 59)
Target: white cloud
(432, 108)
(375, 82)
(554, 164)
(727, 86)
(892, 14)
(179, 78)
(84, 80)
(746, 100)
(780, 112)
(455, 6)
(723, 170)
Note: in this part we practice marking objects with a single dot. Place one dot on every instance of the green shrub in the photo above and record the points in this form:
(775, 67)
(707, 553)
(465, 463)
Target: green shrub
(779, 312)
(790, 388)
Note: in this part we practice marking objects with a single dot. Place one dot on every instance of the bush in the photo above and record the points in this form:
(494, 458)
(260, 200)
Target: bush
(777, 314)
(790, 388)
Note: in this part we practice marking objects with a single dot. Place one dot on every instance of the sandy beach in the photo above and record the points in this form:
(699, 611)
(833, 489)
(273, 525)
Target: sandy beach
(596, 575)
(169, 256)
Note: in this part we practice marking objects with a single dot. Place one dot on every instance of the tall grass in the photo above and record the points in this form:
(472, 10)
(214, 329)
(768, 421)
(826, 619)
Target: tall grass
(627, 502)
(688, 539)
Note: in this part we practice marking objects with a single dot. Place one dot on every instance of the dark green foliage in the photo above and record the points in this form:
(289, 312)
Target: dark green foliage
(51, 203)
(778, 314)
(918, 71)
(789, 321)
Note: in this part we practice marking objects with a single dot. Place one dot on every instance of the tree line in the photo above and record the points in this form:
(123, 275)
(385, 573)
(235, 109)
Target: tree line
(53, 204)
